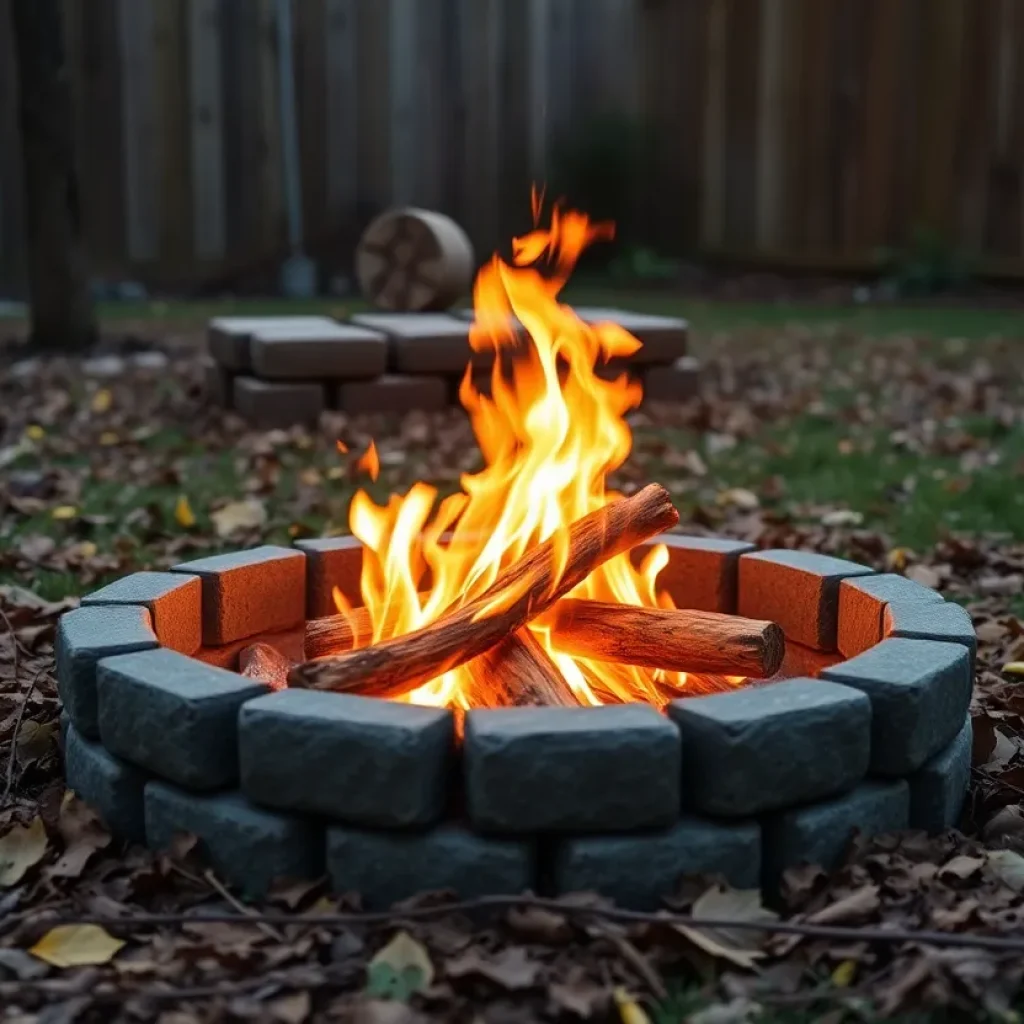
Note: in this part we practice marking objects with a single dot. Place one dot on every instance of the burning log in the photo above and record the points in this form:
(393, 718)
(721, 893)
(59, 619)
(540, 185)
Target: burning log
(527, 588)
(266, 664)
(517, 672)
(676, 639)
(335, 634)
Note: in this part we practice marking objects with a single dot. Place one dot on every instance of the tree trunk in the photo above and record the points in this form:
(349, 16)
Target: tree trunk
(61, 305)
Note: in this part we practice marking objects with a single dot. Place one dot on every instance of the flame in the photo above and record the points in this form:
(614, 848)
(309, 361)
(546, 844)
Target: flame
(550, 434)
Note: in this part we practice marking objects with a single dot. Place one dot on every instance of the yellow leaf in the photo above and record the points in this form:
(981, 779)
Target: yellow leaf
(897, 559)
(87, 549)
(400, 969)
(1014, 668)
(630, 1012)
(238, 516)
(20, 849)
(102, 400)
(183, 514)
(35, 432)
(741, 948)
(76, 945)
(843, 974)
(64, 512)
(109, 438)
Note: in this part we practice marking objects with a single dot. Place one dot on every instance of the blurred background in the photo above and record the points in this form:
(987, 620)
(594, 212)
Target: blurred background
(874, 139)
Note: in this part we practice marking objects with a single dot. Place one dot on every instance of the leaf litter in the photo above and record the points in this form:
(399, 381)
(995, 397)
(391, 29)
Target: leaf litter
(105, 476)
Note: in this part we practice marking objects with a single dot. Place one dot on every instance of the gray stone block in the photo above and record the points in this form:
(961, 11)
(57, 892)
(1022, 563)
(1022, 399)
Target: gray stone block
(173, 716)
(663, 338)
(435, 343)
(331, 562)
(820, 833)
(760, 748)
(937, 790)
(310, 352)
(701, 572)
(677, 382)
(278, 403)
(918, 620)
(862, 601)
(374, 762)
(248, 847)
(112, 787)
(394, 394)
(217, 383)
(86, 635)
(174, 600)
(571, 769)
(919, 690)
(797, 589)
(249, 592)
(228, 337)
(638, 871)
(385, 867)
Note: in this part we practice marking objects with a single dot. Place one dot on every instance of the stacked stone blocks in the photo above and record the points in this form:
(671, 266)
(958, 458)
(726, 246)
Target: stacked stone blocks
(620, 799)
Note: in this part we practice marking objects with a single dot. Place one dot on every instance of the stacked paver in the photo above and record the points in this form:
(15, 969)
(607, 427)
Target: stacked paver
(162, 736)
(278, 371)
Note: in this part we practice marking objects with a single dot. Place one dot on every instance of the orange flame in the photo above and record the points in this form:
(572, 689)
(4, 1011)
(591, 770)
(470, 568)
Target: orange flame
(550, 433)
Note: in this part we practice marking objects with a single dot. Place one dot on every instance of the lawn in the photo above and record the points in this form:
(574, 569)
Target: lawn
(890, 435)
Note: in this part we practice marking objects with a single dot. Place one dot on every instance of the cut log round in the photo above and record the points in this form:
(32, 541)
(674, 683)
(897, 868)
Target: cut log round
(410, 261)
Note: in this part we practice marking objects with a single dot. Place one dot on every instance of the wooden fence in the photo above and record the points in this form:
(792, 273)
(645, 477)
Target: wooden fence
(787, 131)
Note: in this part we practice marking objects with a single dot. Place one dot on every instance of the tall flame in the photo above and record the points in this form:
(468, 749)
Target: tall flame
(550, 433)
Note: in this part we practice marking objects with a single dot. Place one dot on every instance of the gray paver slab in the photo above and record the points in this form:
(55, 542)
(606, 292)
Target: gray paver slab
(374, 762)
(112, 787)
(571, 769)
(174, 600)
(310, 352)
(937, 790)
(639, 870)
(86, 635)
(249, 847)
(435, 343)
(385, 867)
(331, 562)
(920, 691)
(173, 716)
(797, 589)
(278, 403)
(862, 601)
(760, 748)
(228, 336)
(819, 833)
(918, 620)
(664, 338)
(259, 590)
(702, 572)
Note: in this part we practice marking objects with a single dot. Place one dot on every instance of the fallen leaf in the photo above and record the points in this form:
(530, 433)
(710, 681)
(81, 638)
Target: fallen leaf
(290, 1009)
(961, 867)
(35, 432)
(20, 849)
(924, 575)
(1008, 867)
(1013, 668)
(741, 948)
(511, 968)
(842, 517)
(83, 835)
(844, 974)
(236, 516)
(77, 945)
(102, 401)
(183, 514)
(399, 970)
(736, 1011)
(739, 497)
(63, 512)
(629, 1009)
(850, 909)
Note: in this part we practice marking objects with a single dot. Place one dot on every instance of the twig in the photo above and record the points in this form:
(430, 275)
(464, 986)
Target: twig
(9, 780)
(355, 918)
(215, 883)
(640, 963)
(997, 781)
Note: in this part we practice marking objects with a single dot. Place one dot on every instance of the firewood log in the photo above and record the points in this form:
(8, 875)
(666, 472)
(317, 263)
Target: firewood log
(266, 664)
(676, 639)
(517, 672)
(525, 589)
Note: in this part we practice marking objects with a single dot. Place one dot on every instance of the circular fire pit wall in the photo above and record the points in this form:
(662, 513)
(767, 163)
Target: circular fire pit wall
(864, 728)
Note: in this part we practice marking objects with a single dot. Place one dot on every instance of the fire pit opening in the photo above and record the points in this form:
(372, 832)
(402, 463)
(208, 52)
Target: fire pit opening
(527, 685)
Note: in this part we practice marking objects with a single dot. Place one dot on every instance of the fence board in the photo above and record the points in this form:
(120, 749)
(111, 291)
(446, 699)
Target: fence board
(771, 121)
(741, 151)
(375, 135)
(713, 202)
(340, 44)
(310, 29)
(206, 113)
(11, 177)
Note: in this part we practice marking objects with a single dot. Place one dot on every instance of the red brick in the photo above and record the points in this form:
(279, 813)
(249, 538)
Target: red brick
(701, 572)
(331, 562)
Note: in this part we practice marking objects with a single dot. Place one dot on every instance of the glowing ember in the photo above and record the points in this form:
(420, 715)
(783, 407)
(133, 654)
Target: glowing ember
(550, 435)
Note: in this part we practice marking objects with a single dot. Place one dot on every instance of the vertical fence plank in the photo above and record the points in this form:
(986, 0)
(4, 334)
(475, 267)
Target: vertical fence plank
(143, 147)
(343, 96)
(174, 155)
(207, 116)
(12, 268)
(266, 136)
(522, 134)
(849, 43)
(818, 79)
(310, 29)
(481, 50)
(712, 211)
(375, 135)
(402, 57)
(741, 107)
(771, 121)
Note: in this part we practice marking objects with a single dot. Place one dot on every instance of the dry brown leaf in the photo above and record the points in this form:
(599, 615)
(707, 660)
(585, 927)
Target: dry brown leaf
(399, 969)
(962, 867)
(511, 969)
(239, 516)
(20, 849)
(1008, 867)
(924, 575)
(742, 948)
(854, 907)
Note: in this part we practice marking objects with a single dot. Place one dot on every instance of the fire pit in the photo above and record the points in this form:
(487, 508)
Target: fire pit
(529, 685)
